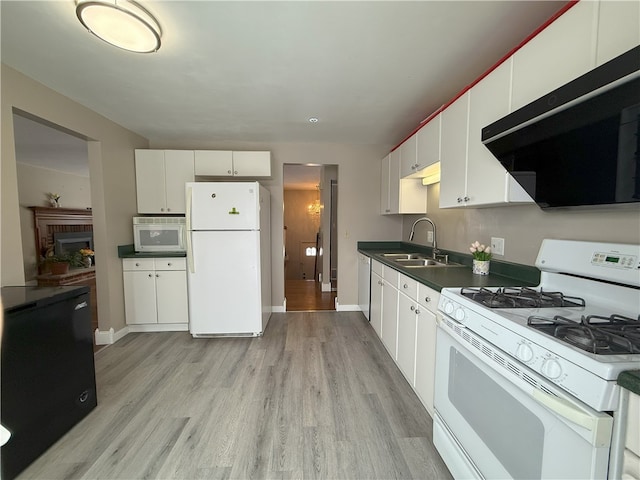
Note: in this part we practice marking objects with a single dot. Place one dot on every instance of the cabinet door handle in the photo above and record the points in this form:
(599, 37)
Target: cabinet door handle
(168, 209)
(150, 275)
(459, 199)
(169, 264)
(427, 299)
(229, 172)
(417, 312)
(137, 264)
(466, 199)
(412, 308)
(157, 275)
(162, 209)
(235, 172)
(405, 286)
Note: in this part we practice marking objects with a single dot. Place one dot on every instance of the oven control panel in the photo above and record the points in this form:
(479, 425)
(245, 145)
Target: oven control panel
(615, 260)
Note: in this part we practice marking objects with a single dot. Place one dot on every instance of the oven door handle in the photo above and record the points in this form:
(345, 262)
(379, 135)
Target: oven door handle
(599, 426)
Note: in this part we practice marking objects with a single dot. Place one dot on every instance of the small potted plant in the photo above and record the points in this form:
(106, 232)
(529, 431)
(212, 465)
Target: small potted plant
(59, 264)
(87, 257)
(481, 258)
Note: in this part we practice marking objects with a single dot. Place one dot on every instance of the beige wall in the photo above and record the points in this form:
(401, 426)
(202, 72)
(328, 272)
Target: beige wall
(33, 185)
(112, 183)
(523, 227)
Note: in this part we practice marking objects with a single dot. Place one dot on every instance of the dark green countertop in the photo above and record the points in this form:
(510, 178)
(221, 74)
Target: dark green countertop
(630, 380)
(128, 251)
(502, 274)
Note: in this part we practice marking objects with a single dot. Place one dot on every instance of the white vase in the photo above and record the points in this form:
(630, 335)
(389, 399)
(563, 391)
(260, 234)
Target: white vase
(481, 267)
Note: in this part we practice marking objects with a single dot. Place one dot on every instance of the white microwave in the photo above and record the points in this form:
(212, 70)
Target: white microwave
(159, 234)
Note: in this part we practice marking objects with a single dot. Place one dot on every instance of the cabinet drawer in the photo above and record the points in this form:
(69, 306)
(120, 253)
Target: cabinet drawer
(408, 286)
(391, 276)
(428, 298)
(171, 263)
(376, 267)
(131, 264)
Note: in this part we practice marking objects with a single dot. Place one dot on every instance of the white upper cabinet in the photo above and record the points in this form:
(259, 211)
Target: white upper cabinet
(487, 181)
(215, 163)
(420, 151)
(618, 29)
(408, 157)
(399, 196)
(560, 53)
(252, 164)
(453, 153)
(428, 144)
(227, 163)
(160, 179)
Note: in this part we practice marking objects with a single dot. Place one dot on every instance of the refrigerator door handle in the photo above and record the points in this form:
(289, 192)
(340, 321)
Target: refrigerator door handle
(190, 262)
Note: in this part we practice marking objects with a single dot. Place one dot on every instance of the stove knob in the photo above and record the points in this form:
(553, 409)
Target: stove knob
(459, 315)
(524, 352)
(448, 308)
(551, 368)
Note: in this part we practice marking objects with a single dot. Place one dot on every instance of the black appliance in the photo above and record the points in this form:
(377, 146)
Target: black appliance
(580, 144)
(48, 374)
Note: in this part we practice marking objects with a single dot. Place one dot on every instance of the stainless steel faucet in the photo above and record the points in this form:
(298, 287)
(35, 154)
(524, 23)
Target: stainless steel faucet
(433, 225)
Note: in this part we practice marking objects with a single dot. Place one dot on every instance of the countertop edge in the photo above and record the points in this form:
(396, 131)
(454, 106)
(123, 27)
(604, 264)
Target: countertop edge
(128, 251)
(630, 380)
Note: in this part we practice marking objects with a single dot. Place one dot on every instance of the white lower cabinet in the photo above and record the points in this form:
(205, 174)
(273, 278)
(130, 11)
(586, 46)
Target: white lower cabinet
(155, 294)
(426, 345)
(408, 312)
(390, 311)
(631, 456)
(383, 313)
(375, 309)
(407, 326)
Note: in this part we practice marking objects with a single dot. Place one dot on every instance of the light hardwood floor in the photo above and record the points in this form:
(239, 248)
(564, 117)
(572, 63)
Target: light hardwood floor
(307, 295)
(316, 397)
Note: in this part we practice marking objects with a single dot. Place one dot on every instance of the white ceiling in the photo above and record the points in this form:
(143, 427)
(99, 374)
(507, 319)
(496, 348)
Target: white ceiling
(236, 71)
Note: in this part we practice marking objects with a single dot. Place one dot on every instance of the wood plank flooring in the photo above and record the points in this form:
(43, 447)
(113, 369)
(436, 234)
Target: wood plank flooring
(307, 295)
(316, 397)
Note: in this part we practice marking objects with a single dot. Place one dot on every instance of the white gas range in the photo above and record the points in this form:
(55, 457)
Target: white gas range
(562, 344)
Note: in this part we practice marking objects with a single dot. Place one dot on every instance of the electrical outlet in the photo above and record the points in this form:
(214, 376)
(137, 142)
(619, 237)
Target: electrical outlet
(497, 245)
(430, 236)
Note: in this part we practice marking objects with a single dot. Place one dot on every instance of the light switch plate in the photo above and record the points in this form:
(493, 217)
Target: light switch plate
(497, 245)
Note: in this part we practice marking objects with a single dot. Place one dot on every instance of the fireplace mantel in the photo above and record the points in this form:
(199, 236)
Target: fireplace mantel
(50, 220)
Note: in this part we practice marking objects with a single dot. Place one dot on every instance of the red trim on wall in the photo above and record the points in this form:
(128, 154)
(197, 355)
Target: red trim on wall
(552, 19)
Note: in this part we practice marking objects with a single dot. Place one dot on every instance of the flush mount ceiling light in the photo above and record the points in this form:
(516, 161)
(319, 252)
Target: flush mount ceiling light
(121, 23)
(313, 120)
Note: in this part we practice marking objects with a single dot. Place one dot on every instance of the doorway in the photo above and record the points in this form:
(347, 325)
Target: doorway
(310, 219)
(52, 160)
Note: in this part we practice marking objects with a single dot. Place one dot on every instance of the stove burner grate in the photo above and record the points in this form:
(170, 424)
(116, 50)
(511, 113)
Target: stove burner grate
(596, 334)
(520, 297)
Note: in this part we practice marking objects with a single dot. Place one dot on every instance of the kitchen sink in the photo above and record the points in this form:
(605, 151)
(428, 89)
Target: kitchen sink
(424, 262)
(404, 256)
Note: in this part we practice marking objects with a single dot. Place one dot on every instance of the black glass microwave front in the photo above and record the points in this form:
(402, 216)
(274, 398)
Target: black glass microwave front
(587, 154)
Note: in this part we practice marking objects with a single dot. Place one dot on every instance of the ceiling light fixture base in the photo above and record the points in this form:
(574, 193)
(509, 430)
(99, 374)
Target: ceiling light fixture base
(122, 23)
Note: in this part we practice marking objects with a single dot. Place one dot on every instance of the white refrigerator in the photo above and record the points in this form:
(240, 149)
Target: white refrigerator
(229, 258)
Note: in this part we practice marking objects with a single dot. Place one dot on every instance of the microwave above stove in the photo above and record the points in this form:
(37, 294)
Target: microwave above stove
(159, 234)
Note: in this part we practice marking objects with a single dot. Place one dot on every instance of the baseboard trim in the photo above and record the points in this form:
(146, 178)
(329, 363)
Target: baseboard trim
(347, 308)
(159, 327)
(110, 336)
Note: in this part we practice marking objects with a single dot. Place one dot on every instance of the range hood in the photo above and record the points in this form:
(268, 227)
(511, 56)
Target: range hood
(578, 146)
